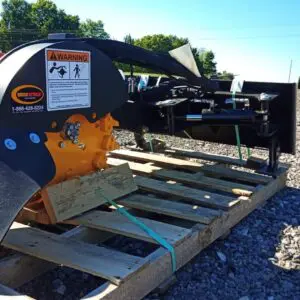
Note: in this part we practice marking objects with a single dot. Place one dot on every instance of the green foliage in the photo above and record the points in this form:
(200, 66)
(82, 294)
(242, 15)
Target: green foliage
(299, 83)
(22, 22)
(160, 42)
(93, 29)
(16, 14)
(48, 18)
(207, 59)
(224, 75)
(5, 44)
(129, 39)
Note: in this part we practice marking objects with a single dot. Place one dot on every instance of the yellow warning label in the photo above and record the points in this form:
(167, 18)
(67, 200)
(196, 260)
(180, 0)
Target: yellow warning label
(56, 55)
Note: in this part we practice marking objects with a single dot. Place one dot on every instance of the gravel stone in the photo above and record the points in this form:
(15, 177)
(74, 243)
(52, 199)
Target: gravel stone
(222, 256)
(262, 252)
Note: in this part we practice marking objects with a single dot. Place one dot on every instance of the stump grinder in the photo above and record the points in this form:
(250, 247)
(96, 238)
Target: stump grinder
(61, 97)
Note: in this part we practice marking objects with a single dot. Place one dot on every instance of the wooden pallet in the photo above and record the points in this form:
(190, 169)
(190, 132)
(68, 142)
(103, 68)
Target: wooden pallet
(200, 202)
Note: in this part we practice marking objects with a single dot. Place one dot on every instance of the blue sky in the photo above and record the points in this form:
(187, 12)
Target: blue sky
(256, 39)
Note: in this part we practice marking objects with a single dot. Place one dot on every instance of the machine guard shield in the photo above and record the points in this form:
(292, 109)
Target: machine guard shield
(16, 188)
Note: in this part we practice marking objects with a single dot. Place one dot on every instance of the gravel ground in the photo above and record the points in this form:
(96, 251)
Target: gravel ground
(260, 259)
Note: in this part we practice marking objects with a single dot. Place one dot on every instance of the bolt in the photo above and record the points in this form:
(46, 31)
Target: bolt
(34, 138)
(61, 145)
(10, 144)
(81, 146)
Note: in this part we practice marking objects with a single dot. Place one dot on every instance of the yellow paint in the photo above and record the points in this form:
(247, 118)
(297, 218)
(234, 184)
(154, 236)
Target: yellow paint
(89, 155)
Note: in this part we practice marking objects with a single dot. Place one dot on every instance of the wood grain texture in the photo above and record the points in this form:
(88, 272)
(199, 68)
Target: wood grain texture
(17, 269)
(205, 156)
(211, 170)
(158, 159)
(160, 265)
(99, 261)
(225, 172)
(196, 180)
(195, 196)
(171, 208)
(72, 197)
(117, 223)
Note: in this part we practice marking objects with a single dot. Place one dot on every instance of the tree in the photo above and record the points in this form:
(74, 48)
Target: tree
(160, 42)
(209, 65)
(165, 43)
(16, 14)
(128, 39)
(22, 22)
(93, 29)
(48, 18)
(5, 42)
(16, 26)
(224, 75)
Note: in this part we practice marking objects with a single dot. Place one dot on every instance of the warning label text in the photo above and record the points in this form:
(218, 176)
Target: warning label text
(56, 55)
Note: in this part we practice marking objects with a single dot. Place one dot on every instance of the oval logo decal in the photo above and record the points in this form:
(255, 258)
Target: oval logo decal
(27, 94)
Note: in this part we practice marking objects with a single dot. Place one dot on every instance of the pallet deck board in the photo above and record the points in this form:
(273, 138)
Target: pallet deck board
(160, 159)
(185, 207)
(99, 261)
(206, 156)
(197, 179)
(18, 269)
(159, 268)
(195, 196)
(240, 175)
(212, 170)
(171, 208)
(117, 223)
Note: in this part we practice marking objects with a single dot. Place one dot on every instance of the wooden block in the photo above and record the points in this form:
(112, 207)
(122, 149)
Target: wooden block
(99, 261)
(78, 195)
(199, 197)
(28, 214)
(117, 223)
(171, 208)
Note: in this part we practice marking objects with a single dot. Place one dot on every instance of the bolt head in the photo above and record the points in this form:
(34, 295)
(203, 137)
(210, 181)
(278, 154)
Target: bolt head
(61, 145)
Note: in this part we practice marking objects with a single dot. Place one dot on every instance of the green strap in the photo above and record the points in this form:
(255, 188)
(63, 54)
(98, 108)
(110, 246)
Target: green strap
(248, 152)
(150, 142)
(237, 130)
(144, 227)
(237, 133)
